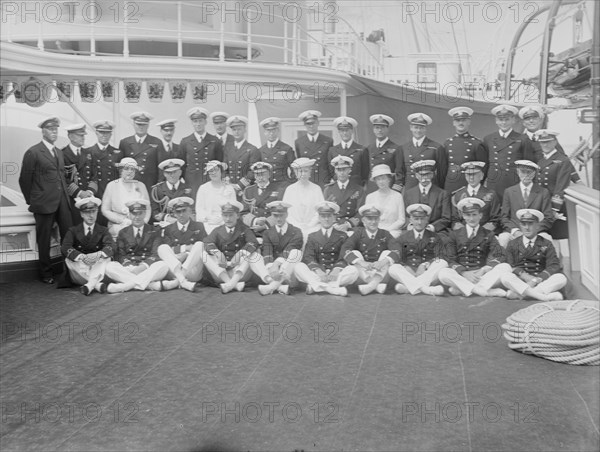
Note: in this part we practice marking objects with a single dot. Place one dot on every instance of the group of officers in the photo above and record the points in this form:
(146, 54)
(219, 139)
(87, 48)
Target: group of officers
(512, 184)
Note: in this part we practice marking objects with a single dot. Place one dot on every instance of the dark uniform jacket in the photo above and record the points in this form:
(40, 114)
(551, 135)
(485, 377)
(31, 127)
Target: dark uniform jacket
(129, 252)
(79, 171)
(255, 204)
(42, 179)
(161, 194)
(175, 153)
(540, 260)
(471, 254)
(490, 212)
(539, 199)
(146, 156)
(386, 155)
(196, 155)
(412, 252)
(349, 201)
(280, 157)
(370, 249)
(76, 242)
(324, 253)
(438, 200)
(173, 237)
(318, 151)
(104, 165)
(409, 154)
(360, 158)
(502, 153)
(276, 245)
(229, 139)
(537, 148)
(239, 163)
(461, 149)
(242, 239)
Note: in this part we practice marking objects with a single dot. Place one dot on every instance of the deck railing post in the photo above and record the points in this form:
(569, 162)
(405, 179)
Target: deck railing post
(179, 40)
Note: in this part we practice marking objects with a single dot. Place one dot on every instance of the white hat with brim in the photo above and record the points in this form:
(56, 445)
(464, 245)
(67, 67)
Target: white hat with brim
(180, 202)
(302, 162)
(526, 164)
(419, 210)
(171, 164)
(380, 170)
(213, 164)
(466, 205)
(327, 207)
(419, 119)
(529, 215)
(128, 161)
(90, 203)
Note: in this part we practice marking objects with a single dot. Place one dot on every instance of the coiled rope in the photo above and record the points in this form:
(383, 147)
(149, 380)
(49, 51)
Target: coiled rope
(564, 331)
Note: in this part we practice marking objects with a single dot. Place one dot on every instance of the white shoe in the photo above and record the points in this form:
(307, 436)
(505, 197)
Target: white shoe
(500, 293)
(284, 289)
(226, 288)
(115, 288)
(339, 291)
(381, 288)
(365, 289)
(240, 286)
(555, 296)
(309, 290)
(187, 285)
(155, 286)
(265, 289)
(400, 288)
(435, 291)
(512, 295)
(454, 291)
(170, 284)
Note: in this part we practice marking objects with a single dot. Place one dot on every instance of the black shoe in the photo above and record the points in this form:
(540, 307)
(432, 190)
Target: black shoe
(102, 287)
(48, 280)
(84, 290)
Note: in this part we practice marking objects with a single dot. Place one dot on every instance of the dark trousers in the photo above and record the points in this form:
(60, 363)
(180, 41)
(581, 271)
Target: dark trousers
(43, 231)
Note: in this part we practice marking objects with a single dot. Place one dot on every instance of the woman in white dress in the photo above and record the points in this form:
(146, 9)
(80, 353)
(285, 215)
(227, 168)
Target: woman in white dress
(303, 196)
(120, 191)
(388, 201)
(211, 195)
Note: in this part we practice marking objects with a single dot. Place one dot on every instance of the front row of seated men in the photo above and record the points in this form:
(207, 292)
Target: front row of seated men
(468, 261)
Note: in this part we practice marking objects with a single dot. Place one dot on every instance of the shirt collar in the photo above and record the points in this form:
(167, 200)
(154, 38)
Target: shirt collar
(418, 142)
(382, 142)
(272, 143)
(142, 138)
(372, 234)
(471, 230)
(471, 189)
(230, 230)
(48, 145)
(199, 137)
(343, 183)
(264, 186)
(173, 186)
(526, 240)
(141, 229)
(186, 226)
(325, 231)
(75, 150)
(505, 134)
(239, 144)
(87, 228)
(550, 154)
(523, 187)
(313, 137)
(166, 144)
(529, 134)
(283, 229)
(417, 234)
(427, 189)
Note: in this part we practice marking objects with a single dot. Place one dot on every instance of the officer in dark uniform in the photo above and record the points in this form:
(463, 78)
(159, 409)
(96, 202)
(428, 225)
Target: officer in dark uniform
(87, 248)
(383, 151)
(198, 149)
(174, 186)
(476, 261)
(143, 148)
(240, 155)
(490, 212)
(182, 247)
(350, 148)
(168, 150)
(535, 265)
(219, 121)
(420, 255)
(504, 148)
(256, 214)
(104, 159)
(461, 148)
(277, 153)
(314, 145)
(345, 193)
(322, 265)
(420, 147)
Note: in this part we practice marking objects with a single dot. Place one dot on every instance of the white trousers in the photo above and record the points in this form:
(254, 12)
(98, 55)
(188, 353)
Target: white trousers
(492, 278)
(406, 275)
(553, 284)
(189, 264)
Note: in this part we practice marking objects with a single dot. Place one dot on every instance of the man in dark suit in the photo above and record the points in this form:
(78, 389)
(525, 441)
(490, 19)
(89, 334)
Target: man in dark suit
(367, 253)
(504, 148)
(143, 148)
(461, 148)
(420, 147)
(420, 254)
(174, 186)
(43, 184)
(321, 266)
(239, 155)
(476, 261)
(535, 265)
(348, 195)
(525, 195)
(104, 159)
(230, 248)
(219, 121)
(383, 151)
(168, 149)
(137, 265)
(490, 213)
(281, 251)
(88, 248)
(314, 145)
(256, 214)
(198, 149)
(347, 147)
(432, 195)
(277, 153)
(182, 247)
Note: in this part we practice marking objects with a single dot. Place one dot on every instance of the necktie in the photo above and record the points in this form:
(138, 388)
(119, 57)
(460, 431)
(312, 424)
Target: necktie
(139, 141)
(182, 228)
(526, 195)
(260, 190)
(344, 146)
(230, 231)
(138, 236)
(472, 234)
(419, 236)
(169, 147)
(89, 233)
(529, 245)
(424, 193)
(343, 187)
(280, 232)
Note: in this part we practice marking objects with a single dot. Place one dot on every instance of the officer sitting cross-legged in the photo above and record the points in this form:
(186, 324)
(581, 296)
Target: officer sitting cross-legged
(322, 264)
(182, 247)
(420, 254)
(87, 248)
(536, 267)
(476, 261)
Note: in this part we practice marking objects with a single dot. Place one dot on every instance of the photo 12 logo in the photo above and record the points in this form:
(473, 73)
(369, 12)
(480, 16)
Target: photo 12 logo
(269, 412)
(253, 332)
(68, 412)
(69, 12)
(453, 412)
(54, 333)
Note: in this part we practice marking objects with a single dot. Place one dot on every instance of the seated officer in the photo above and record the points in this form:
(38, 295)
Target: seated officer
(490, 219)
(535, 265)
(432, 195)
(172, 187)
(321, 264)
(475, 259)
(138, 266)
(281, 251)
(366, 253)
(229, 250)
(420, 254)
(524, 195)
(256, 197)
(344, 192)
(182, 247)
(87, 248)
